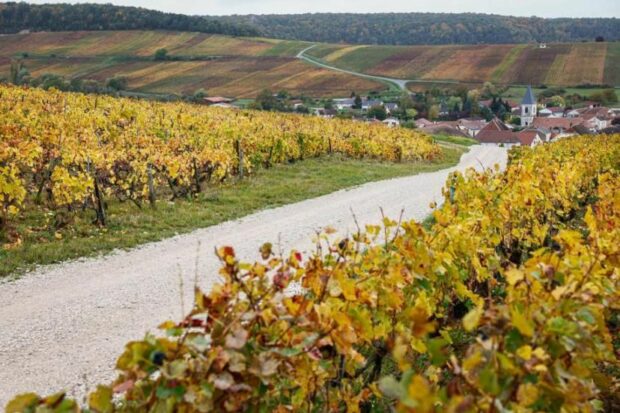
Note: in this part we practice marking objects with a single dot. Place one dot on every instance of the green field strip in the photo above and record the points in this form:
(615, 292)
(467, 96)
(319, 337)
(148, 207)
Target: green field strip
(612, 65)
(556, 69)
(285, 49)
(508, 61)
(363, 59)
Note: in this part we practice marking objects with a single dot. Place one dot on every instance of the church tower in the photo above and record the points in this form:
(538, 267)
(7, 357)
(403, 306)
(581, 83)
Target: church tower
(528, 108)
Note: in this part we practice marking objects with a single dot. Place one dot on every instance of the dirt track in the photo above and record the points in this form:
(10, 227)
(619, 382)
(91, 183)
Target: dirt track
(63, 326)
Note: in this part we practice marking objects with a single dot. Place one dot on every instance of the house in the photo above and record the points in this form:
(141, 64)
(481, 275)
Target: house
(391, 107)
(544, 113)
(342, 104)
(325, 113)
(530, 137)
(556, 125)
(369, 103)
(471, 126)
(556, 111)
(224, 106)
(391, 122)
(214, 100)
(296, 103)
(423, 123)
(498, 133)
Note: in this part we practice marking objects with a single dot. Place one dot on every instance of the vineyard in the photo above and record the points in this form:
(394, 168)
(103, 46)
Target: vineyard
(66, 153)
(510, 301)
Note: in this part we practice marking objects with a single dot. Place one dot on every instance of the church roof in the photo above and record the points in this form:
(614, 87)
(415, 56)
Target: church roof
(529, 98)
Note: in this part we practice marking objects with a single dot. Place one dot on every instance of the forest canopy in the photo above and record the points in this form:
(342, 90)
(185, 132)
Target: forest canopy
(430, 28)
(376, 28)
(15, 17)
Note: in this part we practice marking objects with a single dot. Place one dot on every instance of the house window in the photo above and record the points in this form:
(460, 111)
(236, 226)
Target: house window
(527, 110)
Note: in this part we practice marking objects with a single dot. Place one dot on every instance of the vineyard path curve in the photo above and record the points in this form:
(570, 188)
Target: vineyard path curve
(63, 326)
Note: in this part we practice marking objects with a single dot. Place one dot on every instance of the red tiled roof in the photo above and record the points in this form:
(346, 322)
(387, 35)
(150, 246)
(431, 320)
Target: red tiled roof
(423, 121)
(495, 125)
(491, 136)
(217, 99)
(527, 137)
(559, 123)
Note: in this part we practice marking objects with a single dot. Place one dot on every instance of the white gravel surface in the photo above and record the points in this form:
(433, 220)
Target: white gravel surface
(63, 326)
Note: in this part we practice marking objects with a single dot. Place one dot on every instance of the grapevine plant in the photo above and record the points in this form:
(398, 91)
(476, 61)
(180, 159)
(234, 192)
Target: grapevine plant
(75, 152)
(508, 303)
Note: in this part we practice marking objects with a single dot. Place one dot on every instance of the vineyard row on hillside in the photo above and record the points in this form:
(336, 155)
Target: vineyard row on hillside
(73, 152)
(508, 303)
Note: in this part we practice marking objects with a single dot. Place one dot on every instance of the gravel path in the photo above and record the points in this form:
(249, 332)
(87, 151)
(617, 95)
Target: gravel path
(66, 324)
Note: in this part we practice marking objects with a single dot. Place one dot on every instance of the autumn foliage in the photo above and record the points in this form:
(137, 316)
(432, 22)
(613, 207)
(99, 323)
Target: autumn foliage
(75, 152)
(508, 303)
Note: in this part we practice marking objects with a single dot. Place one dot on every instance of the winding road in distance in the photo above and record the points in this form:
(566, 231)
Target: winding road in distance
(399, 83)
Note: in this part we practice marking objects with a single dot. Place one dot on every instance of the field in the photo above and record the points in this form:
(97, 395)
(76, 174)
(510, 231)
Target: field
(82, 174)
(236, 67)
(242, 67)
(558, 64)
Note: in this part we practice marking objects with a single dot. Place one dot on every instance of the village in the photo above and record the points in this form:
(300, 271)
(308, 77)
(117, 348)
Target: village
(528, 122)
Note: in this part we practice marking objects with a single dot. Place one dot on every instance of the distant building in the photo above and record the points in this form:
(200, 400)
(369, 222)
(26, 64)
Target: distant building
(391, 122)
(496, 132)
(391, 107)
(528, 108)
(369, 103)
(217, 100)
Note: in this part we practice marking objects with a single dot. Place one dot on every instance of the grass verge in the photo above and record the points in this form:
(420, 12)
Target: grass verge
(130, 226)
(458, 140)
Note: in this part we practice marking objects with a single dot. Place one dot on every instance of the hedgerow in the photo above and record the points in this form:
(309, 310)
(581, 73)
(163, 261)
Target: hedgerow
(508, 303)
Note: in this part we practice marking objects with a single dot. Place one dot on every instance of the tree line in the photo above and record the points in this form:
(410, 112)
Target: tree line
(429, 28)
(376, 28)
(15, 17)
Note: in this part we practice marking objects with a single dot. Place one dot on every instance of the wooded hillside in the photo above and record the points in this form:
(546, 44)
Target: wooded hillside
(15, 17)
(429, 28)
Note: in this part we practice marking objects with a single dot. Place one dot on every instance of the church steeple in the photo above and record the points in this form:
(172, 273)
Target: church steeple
(528, 107)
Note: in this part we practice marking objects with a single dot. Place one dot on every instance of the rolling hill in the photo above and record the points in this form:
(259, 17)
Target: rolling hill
(238, 67)
(241, 67)
(560, 64)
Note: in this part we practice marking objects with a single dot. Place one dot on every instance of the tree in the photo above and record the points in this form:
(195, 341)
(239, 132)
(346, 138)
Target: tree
(433, 112)
(405, 102)
(116, 83)
(600, 39)
(199, 95)
(357, 103)
(161, 55)
(266, 100)
(556, 101)
(377, 112)
(606, 97)
(489, 90)
(18, 74)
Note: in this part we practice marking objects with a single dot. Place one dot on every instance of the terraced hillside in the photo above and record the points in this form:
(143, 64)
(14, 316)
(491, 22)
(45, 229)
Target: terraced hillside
(242, 67)
(239, 67)
(562, 64)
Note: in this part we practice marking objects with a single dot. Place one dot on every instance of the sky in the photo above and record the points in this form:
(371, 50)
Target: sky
(541, 8)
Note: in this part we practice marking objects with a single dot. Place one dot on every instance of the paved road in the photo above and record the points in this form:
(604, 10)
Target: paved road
(400, 83)
(64, 326)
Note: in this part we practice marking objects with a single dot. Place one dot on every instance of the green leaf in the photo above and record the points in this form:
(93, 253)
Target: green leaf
(101, 399)
(23, 403)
